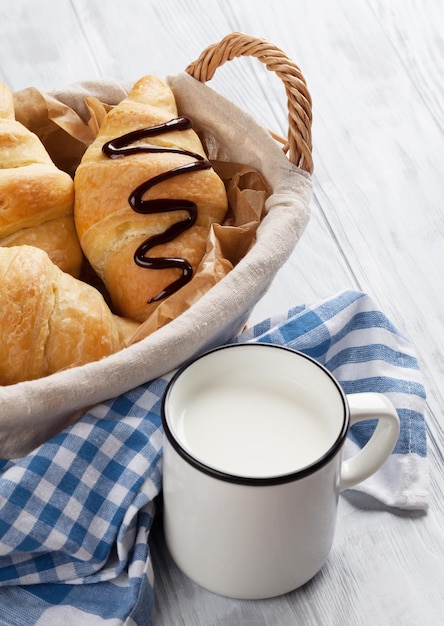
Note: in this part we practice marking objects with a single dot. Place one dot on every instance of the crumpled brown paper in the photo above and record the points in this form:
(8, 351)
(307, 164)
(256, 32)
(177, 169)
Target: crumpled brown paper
(66, 133)
(62, 131)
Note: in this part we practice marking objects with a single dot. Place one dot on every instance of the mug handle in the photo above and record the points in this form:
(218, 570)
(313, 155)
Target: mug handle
(365, 406)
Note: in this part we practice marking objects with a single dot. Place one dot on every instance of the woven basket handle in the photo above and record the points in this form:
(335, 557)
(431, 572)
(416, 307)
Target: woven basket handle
(298, 146)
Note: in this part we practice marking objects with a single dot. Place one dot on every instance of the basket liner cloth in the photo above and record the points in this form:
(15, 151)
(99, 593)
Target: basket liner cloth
(33, 411)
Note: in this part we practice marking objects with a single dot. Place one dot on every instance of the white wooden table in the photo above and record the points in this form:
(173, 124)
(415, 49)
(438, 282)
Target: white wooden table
(375, 69)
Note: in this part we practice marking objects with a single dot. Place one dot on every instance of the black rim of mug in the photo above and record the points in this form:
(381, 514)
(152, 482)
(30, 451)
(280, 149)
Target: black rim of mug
(247, 480)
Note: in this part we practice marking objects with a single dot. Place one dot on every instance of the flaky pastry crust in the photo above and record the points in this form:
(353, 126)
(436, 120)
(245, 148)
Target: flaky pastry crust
(50, 320)
(36, 198)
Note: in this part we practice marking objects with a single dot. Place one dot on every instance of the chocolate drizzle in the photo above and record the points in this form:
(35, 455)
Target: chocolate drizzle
(121, 147)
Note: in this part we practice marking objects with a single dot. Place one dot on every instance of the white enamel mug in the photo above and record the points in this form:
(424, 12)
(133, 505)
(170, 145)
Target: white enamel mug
(253, 466)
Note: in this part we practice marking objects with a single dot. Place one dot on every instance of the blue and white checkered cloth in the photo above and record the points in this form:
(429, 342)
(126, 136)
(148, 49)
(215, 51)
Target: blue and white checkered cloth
(75, 514)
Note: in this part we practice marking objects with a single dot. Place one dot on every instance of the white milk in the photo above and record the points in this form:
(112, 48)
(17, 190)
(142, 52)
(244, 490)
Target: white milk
(255, 429)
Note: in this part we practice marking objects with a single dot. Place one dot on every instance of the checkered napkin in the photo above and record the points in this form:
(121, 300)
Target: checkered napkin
(76, 513)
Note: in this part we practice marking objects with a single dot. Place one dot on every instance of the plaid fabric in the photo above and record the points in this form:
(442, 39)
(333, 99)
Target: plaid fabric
(76, 513)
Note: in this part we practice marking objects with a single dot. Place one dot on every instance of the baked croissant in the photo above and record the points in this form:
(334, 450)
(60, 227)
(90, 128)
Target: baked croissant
(145, 197)
(50, 320)
(36, 198)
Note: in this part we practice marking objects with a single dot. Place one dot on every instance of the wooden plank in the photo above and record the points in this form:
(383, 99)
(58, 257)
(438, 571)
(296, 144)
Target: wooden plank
(36, 53)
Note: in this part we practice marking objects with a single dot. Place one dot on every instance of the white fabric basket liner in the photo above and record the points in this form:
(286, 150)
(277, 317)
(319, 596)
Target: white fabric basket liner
(35, 410)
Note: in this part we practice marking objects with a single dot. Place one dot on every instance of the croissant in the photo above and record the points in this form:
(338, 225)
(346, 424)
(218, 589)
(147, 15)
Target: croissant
(50, 320)
(36, 198)
(145, 197)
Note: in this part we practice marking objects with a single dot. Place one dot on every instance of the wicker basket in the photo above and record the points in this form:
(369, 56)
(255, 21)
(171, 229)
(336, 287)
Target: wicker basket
(298, 145)
(33, 411)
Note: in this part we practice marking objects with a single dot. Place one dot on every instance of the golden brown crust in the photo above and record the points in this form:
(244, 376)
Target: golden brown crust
(36, 198)
(6, 103)
(49, 320)
(110, 231)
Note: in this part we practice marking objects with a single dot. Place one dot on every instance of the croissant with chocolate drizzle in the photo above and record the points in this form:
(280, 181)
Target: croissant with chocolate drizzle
(145, 197)
(36, 198)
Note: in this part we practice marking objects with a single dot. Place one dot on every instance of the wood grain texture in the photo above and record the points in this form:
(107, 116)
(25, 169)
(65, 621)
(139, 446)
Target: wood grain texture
(375, 69)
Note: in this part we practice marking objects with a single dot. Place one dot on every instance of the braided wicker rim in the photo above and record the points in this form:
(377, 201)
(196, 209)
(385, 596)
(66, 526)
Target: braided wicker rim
(299, 144)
